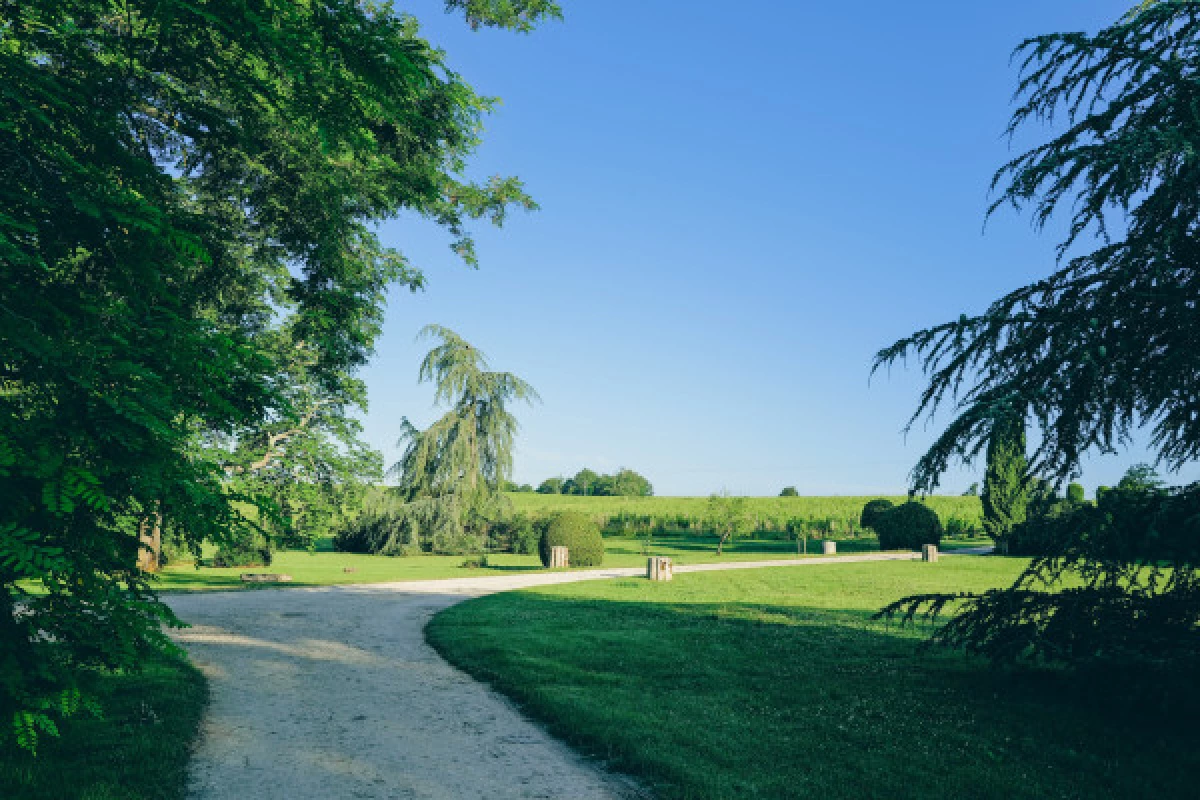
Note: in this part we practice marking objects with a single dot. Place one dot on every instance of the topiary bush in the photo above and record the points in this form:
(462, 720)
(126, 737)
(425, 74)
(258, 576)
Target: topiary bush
(907, 527)
(576, 532)
(872, 510)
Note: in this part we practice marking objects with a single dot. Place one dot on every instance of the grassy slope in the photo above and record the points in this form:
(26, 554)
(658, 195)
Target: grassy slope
(771, 683)
(327, 568)
(138, 751)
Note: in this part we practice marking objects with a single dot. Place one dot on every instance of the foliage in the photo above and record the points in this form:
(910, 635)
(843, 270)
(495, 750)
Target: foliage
(727, 517)
(451, 472)
(789, 491)
(550, 486)
(253, 550)
(959, 528)
(972, 490)
(183, 187)
(907, 527)
(578, 534)
(835, 517)
(1103, 344)
(872, 510)
(1116, 587)
(812, 674)
(588, 483)
(516, 533)
(1006, 483)
(1076, 494)
(380, 528)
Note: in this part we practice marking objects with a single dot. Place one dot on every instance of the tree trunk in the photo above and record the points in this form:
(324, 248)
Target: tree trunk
(150, 539)
(721, 542)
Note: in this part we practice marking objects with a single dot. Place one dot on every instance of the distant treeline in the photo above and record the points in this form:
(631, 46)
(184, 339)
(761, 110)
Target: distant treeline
(588, 483)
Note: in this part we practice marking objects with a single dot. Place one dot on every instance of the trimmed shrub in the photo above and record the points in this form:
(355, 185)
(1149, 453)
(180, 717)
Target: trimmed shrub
(872, 510)
(578, 534)
(251, 550)
(907, 527)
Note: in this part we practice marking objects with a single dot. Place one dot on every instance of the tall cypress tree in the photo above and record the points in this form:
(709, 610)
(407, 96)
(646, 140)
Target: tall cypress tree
(1005, 481)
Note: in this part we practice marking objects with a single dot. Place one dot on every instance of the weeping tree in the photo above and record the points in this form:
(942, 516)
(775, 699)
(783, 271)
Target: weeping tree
(1105, 345)
(452, 472)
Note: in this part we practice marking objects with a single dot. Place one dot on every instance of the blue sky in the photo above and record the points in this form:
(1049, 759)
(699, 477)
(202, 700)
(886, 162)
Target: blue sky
(741, 202)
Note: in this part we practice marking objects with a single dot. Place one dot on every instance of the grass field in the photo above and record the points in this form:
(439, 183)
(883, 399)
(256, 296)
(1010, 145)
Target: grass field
(325, 567)
(773, 684)
(138, 751)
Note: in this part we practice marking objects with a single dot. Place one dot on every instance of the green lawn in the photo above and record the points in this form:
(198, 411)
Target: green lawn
(138, 751)
(326, 567)
(773, 684)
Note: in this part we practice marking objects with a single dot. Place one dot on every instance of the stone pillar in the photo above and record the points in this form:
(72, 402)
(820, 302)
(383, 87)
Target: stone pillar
(929, 552)
(829, 548)
(559, 557)
(658, 568)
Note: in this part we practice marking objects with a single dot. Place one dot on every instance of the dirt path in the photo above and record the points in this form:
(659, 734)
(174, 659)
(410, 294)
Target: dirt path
(333, 693)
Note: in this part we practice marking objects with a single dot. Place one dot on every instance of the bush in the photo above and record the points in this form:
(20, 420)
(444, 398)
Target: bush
(519, 534)
(251, 550)
(907, 527)
(872, 510)
(789, 491)
(959, 528)
(1075, 494)
(578, 534)
(382, 528)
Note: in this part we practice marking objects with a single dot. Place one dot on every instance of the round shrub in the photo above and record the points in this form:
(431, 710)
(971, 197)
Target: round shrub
(576, 532)
(907, 527)
(872, 510)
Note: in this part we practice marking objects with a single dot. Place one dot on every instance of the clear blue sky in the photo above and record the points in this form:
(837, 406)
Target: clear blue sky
(741, 202)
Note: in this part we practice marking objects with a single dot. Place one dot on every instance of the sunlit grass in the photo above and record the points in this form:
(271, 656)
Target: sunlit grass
(774, 683)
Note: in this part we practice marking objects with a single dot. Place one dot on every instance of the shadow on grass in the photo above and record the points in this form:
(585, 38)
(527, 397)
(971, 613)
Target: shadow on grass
(742, 699)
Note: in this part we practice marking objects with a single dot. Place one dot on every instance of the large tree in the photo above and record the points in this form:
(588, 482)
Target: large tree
(452, 472)
(1108, 343)
(180, 183)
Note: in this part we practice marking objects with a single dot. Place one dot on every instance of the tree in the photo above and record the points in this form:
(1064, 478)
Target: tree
(182, 184)
(789, 491)
(584, 483)
(727, 516)
(1076, 494)
(972, 490)
(451, 472)
(627, 483)
(551, 486)
(1101, 346)
(1006, 485)
(1104, 343)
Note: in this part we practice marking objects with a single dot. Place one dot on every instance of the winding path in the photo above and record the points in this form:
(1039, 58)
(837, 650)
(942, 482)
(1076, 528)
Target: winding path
(332, 693)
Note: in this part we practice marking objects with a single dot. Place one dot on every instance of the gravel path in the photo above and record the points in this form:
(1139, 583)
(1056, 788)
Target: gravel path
(333, 693)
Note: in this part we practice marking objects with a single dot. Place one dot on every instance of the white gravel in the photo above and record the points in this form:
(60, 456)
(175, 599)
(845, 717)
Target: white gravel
(333, 693)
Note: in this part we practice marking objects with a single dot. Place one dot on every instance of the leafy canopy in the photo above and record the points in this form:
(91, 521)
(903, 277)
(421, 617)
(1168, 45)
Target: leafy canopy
(188, 195)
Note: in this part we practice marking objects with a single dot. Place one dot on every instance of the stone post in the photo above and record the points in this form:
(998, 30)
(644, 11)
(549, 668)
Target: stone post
(829, 548)
(929, 552)
(559, 557)
(658, 568)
